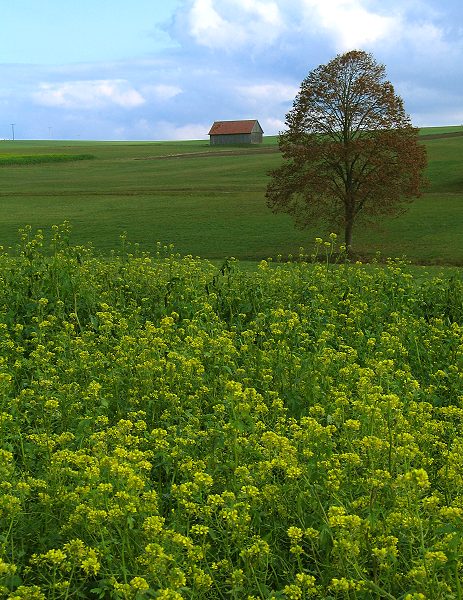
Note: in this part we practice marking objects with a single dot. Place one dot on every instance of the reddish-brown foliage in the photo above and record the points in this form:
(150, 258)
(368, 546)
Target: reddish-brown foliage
(350, 149)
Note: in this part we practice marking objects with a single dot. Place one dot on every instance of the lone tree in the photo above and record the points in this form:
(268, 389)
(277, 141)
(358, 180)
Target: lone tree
(350, 149)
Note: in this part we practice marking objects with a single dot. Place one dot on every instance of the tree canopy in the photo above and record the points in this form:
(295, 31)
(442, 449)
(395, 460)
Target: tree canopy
(350, 151)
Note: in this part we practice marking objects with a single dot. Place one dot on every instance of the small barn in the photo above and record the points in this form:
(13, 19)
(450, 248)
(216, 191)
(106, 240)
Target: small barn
(236, 132)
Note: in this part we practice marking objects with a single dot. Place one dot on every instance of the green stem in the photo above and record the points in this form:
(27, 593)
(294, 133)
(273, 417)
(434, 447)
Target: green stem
(457, 582)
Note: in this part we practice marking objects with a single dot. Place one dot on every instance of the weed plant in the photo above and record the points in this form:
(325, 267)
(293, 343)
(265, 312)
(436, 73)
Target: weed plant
(172, 430)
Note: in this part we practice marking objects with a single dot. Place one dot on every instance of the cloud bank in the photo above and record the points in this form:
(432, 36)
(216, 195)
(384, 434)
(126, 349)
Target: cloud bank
(88, 95)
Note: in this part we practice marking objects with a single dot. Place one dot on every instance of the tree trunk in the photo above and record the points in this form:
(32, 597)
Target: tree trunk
(349, 222)
(348, 233)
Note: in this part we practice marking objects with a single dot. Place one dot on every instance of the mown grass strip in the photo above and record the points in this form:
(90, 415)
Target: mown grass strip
(9, 159)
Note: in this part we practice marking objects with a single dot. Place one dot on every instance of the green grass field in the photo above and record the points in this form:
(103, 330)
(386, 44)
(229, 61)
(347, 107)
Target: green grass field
(208, 201)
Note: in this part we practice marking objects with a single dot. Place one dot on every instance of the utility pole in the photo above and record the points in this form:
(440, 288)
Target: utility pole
(12, 129)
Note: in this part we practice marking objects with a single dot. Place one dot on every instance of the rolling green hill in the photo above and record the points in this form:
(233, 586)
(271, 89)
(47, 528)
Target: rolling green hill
(209, 201)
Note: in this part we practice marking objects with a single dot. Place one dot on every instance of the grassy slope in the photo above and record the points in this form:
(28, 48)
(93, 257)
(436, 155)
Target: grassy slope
(432, 229)
(211, 205)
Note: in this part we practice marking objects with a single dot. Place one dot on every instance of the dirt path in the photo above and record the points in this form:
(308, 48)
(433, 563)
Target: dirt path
(213, 153)
(438, 136)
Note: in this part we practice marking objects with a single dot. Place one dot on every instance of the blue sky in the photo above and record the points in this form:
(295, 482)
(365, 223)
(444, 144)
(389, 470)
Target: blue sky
(166, 69)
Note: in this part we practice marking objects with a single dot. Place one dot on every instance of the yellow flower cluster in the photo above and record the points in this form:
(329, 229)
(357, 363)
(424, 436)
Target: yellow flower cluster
(174, 430)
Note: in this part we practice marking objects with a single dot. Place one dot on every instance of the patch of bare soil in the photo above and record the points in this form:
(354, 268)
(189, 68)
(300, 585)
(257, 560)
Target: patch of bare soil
(213, 153)
(438, 136)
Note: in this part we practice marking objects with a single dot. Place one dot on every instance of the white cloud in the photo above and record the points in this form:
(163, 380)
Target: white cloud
(252, 23)
(233, 24)
(350, 23)
(166, 130)
(267, 12)
(272, 126)
(190, 131)
(270, 92)
(89, 94)
(428, 40)
(161, 91)
(208, 28)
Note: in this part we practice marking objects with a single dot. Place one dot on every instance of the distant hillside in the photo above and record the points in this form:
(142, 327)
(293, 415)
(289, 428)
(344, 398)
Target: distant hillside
(211, 207)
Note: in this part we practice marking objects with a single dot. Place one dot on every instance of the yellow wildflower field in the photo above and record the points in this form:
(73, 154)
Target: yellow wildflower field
(174, 430)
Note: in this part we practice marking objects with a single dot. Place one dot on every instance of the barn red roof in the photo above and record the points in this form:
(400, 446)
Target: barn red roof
(231, 127)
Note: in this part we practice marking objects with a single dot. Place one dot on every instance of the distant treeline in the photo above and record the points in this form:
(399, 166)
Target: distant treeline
(33, 159)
